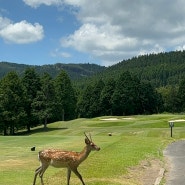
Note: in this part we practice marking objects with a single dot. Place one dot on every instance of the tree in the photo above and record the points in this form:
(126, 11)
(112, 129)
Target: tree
(170, 98)
(125, 97)
(43, 103)
(151, 100)
(181, 96)
(65, 97)
(89, 102)
(11, 100)
(31, 82)
(84, 102)
(106, 97)
(95, 104)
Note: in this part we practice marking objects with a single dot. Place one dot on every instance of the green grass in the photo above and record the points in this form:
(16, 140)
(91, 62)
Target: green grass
(133, 139)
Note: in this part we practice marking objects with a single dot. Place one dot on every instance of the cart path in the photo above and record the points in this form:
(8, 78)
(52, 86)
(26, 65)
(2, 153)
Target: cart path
(175, 154)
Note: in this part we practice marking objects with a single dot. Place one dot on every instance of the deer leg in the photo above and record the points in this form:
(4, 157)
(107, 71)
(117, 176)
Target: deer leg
(41, 173)
(37, 171)
(68, 175)
(78, 175)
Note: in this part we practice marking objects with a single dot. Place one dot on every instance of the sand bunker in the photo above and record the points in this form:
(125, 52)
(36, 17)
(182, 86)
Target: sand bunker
(110, 119)
(115, 119)
(177, 120)
(128, 118)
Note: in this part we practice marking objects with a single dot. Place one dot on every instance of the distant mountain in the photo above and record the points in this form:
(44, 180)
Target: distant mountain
(75, 71)
(159, 69)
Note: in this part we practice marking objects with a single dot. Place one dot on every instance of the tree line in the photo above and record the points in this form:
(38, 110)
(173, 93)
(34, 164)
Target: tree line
(126, 95)
(31, 99)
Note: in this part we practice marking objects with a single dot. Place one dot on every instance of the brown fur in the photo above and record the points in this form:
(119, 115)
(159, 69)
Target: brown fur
(64, 159)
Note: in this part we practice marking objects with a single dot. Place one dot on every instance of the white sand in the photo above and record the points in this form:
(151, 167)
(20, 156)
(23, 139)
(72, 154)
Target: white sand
(178, 120)
(115, 119)
(110, 119)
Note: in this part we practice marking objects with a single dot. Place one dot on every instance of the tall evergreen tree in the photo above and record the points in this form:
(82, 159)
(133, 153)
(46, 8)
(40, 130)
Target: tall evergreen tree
(65, 97)
(43, 103)
(89, 102)
(11, 100)
(106, 97)
(95, 105)
(125, 97)
(84, 101)
(181, 96)
(31, 82)
(151, 101)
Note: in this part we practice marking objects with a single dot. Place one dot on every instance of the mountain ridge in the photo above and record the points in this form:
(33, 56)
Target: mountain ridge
(162, 69)
(75, 71)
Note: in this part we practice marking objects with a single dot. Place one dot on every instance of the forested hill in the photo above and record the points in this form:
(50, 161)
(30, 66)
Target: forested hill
(160, 69)
(75, 71)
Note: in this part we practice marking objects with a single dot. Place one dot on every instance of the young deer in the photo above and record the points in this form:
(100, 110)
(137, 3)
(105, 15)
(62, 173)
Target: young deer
(64, 159)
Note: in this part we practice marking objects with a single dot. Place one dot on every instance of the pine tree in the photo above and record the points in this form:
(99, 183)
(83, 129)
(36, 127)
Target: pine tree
(106, 97)
(43, 103)
(31, 83)
(12, 102)
(125, 96)
(65, 97)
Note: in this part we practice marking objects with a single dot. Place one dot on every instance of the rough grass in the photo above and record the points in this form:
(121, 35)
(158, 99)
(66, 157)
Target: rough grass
(133, 139)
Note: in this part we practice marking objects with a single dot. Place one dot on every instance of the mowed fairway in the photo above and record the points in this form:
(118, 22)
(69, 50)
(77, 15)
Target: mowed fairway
(134, 138)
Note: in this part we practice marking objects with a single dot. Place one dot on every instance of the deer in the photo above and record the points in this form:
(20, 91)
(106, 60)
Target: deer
(64, 159)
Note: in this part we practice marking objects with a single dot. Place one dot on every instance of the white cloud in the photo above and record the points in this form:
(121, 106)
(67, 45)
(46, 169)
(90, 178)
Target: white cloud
(4, 22)
(98, 42)
(37, 3)
(58, 53)
(119, 29)
(155, 49)
(180, 48)
(78, 3)
(20, 32)
(114, 30)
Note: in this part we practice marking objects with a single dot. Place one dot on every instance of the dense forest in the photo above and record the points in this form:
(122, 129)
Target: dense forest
(143, 85)
(159, 69)
(75, 71)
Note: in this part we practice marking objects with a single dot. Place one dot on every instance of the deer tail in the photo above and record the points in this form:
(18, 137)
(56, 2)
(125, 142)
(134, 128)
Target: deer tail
(39, 155)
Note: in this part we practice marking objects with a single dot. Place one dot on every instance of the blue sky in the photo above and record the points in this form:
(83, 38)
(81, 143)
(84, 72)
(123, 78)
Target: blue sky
(39, 32)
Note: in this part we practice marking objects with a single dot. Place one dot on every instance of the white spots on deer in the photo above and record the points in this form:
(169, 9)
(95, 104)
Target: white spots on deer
(64, 159)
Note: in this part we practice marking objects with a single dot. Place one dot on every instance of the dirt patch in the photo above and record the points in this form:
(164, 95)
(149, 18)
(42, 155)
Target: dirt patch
(146, 172)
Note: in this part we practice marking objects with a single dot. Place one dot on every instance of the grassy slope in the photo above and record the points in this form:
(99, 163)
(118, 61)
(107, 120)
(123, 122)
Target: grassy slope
(133, 140)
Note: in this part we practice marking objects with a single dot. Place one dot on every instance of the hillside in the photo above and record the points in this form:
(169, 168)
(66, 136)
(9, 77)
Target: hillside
(160, 69)
(75, 71)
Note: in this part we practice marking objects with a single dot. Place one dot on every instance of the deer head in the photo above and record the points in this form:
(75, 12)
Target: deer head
(89, 142)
